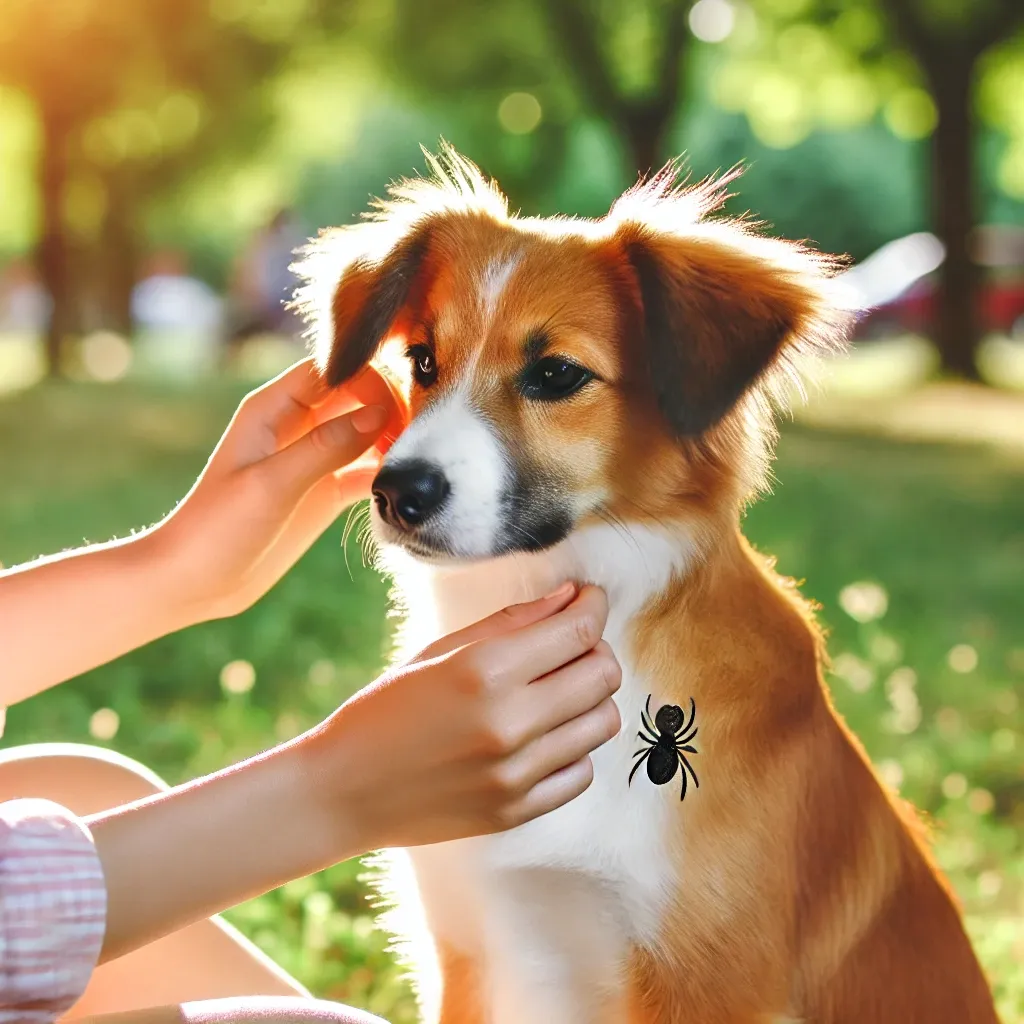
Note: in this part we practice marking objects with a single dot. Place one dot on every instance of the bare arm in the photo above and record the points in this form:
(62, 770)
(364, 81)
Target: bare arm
(64, 615)
(273, 485)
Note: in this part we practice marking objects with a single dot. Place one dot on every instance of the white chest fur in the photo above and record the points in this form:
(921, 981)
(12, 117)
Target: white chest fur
(552, 907)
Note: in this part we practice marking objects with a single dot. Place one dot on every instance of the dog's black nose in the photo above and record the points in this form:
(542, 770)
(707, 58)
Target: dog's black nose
(409, 493)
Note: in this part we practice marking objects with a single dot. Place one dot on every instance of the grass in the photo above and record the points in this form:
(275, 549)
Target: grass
(915, 552)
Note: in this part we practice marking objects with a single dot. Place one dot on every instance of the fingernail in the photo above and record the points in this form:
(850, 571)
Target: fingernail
(564, 590)
(369, 419)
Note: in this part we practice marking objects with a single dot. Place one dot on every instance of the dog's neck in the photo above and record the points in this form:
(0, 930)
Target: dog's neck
(738, 623)
(632, 563)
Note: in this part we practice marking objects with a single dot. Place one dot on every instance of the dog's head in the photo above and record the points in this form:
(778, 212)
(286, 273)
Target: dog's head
(563, 371)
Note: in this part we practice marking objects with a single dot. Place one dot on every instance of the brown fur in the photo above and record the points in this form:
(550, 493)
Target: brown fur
(460, 994)
(809, 891)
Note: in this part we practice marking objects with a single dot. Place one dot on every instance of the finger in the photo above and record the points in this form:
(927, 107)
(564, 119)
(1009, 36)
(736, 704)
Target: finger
(515, 616)
(255, 430)
(369, 387)
(553, 792)
(280, 412)
(565, 745)
(324, 449)
(300, 385)
(571, 691)
(545, 646)
(353, 483)
(374, 387)
(315, 512)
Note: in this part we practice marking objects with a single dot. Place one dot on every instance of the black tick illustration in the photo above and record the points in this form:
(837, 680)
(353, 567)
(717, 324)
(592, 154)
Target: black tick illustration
(668, 742)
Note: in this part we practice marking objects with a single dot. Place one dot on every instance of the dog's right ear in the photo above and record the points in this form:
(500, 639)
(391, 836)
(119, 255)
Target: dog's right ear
(360, 290)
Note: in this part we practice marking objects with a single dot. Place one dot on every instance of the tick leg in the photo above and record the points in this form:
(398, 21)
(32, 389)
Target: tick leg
(645, 717)
(686, 766)
(693, 715)
(688, 737)
(646, 753)
(651, 737)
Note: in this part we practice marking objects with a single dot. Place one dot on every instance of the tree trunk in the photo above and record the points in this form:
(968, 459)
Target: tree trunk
(644, 130)
(53, 255)
(120, 252)
(957, 328)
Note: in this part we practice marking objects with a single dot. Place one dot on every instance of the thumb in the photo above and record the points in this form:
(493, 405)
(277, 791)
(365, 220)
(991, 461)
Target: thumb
(326, 448)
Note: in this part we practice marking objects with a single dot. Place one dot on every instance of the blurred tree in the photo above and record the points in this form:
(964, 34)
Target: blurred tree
(836, 63)
(51, 51)
(131, 99)
(536, 65)
(628, 61)
(947, 41)
(193, 97)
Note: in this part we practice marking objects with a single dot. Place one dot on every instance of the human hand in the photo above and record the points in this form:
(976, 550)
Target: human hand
(293, 457)
(484, 730)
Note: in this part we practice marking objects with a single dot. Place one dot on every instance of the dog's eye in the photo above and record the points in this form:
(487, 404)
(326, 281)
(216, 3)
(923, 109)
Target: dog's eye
(552, 378)
(424, 365)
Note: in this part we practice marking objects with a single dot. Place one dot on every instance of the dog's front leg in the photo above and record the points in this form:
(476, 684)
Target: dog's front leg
(556, 952)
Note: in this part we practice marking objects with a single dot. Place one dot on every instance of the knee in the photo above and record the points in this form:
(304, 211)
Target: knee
(82, 778)
(266, 1010)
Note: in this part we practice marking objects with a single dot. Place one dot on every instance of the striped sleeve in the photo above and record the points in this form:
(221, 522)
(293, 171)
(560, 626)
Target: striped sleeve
(53, 906)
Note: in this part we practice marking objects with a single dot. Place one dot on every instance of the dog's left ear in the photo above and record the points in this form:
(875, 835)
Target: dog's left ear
(714, 318)
(361, 287)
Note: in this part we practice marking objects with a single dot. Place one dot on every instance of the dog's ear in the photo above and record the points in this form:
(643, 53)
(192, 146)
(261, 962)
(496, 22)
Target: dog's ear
(361, 288)
(713, 317)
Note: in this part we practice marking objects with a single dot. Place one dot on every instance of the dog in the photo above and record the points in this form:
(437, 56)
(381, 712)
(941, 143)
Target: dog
(592, 401)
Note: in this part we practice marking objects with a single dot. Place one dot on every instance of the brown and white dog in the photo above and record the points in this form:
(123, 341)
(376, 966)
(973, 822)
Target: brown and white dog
(590, 402)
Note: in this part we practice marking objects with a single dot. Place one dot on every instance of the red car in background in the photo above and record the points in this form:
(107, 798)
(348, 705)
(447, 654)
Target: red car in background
(896, 286)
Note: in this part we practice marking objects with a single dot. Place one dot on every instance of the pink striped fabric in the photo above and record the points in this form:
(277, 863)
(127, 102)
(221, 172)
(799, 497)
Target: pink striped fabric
(53, 906)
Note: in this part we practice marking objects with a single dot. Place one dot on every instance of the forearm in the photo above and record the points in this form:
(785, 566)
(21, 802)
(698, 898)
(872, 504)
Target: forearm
(201, 848)
(63, 615)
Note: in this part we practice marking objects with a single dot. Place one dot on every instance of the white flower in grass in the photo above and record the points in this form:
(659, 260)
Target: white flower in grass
(989, 884)
(864, 601)
(858, 674)
(954, 786)
(963, 658)
(891, 773)
(322, 672)
(886, 649)
(980, 801)
(237, 677)
(103, 724)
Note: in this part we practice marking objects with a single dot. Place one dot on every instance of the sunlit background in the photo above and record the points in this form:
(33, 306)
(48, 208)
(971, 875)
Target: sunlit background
(161, 159)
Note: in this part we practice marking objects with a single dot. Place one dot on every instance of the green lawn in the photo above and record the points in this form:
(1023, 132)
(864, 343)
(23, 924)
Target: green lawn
(929, 665)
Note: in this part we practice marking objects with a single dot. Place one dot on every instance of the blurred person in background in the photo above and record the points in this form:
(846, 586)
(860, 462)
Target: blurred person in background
(261, 281)
(24, 304)
(179, 318)
(168, 297)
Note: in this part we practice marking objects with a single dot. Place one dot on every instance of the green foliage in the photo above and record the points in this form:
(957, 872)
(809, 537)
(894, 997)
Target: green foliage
(849, 191)
(795, 67)
(212, 115)
(921, 545)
